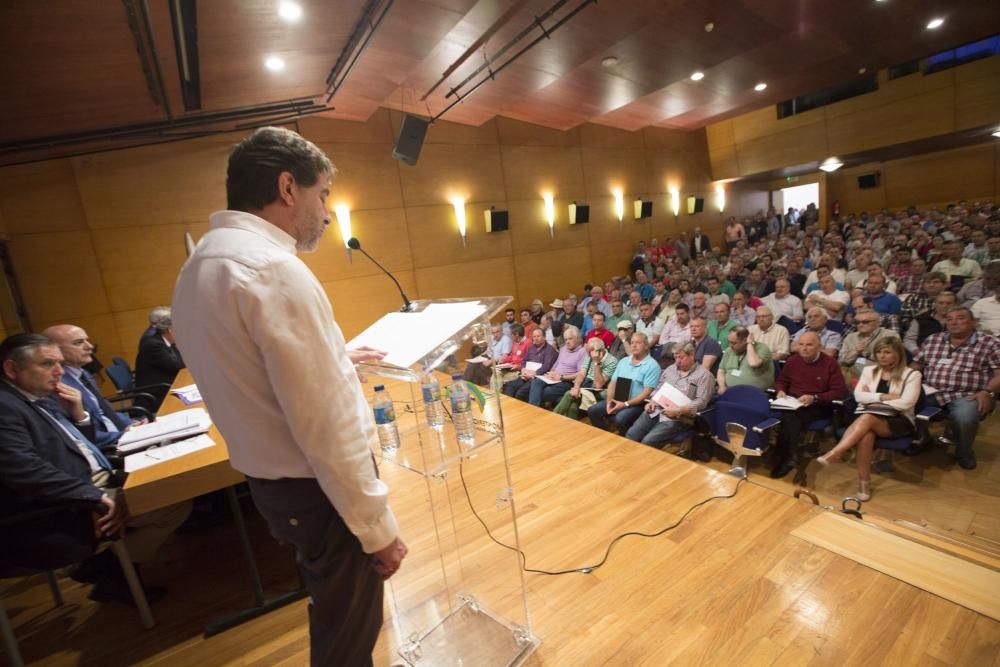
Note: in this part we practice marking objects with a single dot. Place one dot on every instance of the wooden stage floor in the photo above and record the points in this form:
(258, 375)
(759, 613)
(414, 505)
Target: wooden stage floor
(729, 586)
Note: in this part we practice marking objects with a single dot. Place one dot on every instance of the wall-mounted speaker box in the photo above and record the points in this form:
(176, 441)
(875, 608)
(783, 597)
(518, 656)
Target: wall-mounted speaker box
(695, 204)
(643, 209)
(496, 221)
(869, 181)
(411, 139)
(579, 214)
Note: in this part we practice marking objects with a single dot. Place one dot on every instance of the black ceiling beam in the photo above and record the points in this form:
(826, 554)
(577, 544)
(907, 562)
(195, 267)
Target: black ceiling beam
(184, 21)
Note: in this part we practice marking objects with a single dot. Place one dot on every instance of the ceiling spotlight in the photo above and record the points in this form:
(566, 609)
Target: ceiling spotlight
(996, 134)
(709, 27)
(289, 11)
(610, 61)
(934, 24)
(697, 76)
(831, 164)
(274, 64)
(760, 86)
(862, 70)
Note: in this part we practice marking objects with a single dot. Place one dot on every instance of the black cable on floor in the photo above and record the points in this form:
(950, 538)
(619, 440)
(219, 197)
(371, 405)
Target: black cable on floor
(607, 553)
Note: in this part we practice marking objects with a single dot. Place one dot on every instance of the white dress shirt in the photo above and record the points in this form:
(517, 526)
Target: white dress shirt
(790, 306)
(259, 337)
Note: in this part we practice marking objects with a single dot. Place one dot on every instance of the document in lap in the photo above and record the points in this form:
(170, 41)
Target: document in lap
(175, 426)
(668, 396)
(786, 403)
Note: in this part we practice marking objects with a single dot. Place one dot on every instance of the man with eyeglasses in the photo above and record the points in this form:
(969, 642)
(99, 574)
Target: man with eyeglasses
(858, 348)
(963, 366)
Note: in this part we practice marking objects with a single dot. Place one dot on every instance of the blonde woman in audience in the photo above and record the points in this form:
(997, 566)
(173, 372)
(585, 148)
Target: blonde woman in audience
(886, 394)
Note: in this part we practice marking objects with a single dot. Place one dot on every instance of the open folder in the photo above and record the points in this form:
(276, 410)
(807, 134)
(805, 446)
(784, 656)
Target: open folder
(177, 425)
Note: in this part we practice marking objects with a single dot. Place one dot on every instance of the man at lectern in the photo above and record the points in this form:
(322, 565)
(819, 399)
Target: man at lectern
(260, 340)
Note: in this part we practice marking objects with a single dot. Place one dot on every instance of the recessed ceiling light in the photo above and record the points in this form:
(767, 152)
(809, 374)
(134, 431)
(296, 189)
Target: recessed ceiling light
(934, 24)
(610, 61)
(709, 27)
(290, 11)
(760, 86)
(831, 164)
(274, 64)
(697, 76)
(862, 70)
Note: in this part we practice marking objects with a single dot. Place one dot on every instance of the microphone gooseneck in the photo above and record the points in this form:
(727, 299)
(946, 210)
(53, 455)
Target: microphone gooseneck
(354, 244)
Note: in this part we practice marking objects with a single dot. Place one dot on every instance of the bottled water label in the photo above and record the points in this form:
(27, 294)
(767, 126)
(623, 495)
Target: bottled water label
(432, 393)
(460, 404)
(384, 414)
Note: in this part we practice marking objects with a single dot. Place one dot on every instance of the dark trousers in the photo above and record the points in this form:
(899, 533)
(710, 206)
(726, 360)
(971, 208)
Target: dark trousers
(345, 612)
(793, 426)
(623, 419)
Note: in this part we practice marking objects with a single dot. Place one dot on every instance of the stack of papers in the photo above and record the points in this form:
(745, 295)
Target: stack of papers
(668, 396)
(155, 455)
(189, 394)
(174, 426)
(786, 403)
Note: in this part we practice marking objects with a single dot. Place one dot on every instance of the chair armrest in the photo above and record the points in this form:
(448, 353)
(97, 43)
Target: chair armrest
(929, 413)
(768, 423)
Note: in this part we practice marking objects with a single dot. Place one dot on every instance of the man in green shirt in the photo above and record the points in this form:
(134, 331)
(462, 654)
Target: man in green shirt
(617, 315)
(745, 362)
(719, 328)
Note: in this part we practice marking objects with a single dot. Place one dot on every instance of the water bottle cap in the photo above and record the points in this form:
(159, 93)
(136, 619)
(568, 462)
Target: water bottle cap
(379, 387)
(456, 376)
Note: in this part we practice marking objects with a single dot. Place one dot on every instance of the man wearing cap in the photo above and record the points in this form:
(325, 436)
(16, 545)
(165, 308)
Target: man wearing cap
(620, 347)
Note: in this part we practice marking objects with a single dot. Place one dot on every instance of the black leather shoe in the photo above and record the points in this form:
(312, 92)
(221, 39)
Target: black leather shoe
(94, 568)
(968, 463)
(782, 469)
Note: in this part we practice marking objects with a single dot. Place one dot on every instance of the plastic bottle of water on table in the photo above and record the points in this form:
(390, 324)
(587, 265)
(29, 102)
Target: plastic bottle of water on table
(385, 420)
(431, 390)
(461, 411)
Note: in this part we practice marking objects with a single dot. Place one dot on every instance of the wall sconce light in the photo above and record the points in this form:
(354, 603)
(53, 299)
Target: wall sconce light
(550, 212)
(344, 222)
(459, 205)
(579, 214)
(675, 202)
(643, 209)
(619, 206)
(720, 198)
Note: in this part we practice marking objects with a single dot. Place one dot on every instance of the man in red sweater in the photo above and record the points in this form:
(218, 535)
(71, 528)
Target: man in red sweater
(599, 331)
(815, 379)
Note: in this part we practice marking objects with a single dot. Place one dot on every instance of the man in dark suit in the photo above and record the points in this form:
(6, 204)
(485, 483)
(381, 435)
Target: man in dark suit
(158, 360)
(77, 351)
(47, 460)
(699, 243)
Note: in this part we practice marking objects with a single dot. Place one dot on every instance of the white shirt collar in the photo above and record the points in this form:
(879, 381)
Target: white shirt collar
(252, 223)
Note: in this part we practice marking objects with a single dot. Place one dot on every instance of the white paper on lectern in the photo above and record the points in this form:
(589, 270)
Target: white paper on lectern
(406, 338)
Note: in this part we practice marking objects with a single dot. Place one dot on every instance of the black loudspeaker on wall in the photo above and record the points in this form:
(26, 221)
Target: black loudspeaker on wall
(868, 181)
(411, 139)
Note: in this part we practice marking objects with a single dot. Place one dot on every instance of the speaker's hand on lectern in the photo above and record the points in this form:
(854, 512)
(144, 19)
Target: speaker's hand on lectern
(365, 353)
(386, 561)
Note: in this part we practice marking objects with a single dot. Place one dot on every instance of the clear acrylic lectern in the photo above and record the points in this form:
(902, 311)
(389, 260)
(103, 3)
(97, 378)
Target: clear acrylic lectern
(460, 598)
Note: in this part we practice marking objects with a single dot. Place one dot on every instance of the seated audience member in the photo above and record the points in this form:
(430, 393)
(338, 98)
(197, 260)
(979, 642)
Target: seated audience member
(677, 330)
(918, 304)
(976, 248)
(598, 330)
(617, 315)
(987, 314)
(77, 352)
(814, 379)
(954, 264)
(741, 312)
(555, 310)
(47, 460)
(539, 352)
(745, 361)
(595, 375)
(816, 320)
(560, 375)
(633, 305)
(832, 300)
(914, 281)
(655, 425)
(886, 394)
(669, 307)
(929, 323)
(982, 287)
(707, 351)
(720, 326)
(479, 372)
(875, 269)
(641, 372)
(882, 301)
(158, 360)
(509, 318)
(858, 349)
(621, 347)
(643, 286)
(647, 324)
(550, 336)
(699, 306)
(597, 298)
(755, 285)
(773, 335)
(715, 295)
(588, 319)
(825, 268)
(964, 366)
(537, 309)
(570, 315)
(519, 344)
(526, 321)
(796, 279)
(782, 303)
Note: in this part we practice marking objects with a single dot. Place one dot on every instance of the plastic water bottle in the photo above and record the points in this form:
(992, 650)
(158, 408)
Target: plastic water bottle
(431, 390)
(461, 411)
(385, 420)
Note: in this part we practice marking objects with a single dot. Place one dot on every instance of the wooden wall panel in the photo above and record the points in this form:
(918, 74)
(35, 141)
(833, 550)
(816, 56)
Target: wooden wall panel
(367, 176)
(765, 123)
(977, 94)
(445, 171)
(548, 275)
(607, 260)
(602, 136)
(382, 233)
(59, 276)
(528, 171)
(358, 302)
(926, 115)
(605, 169)
(489, 277)
(950, 175)
(154, 185)
(378, 129)
(139, 268)
(529, 231)
(129, 327)
(41, 197)
(434, 237)
(518, 133)
(795, 146)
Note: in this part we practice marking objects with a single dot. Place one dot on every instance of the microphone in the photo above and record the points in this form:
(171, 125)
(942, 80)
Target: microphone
(354, 244)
